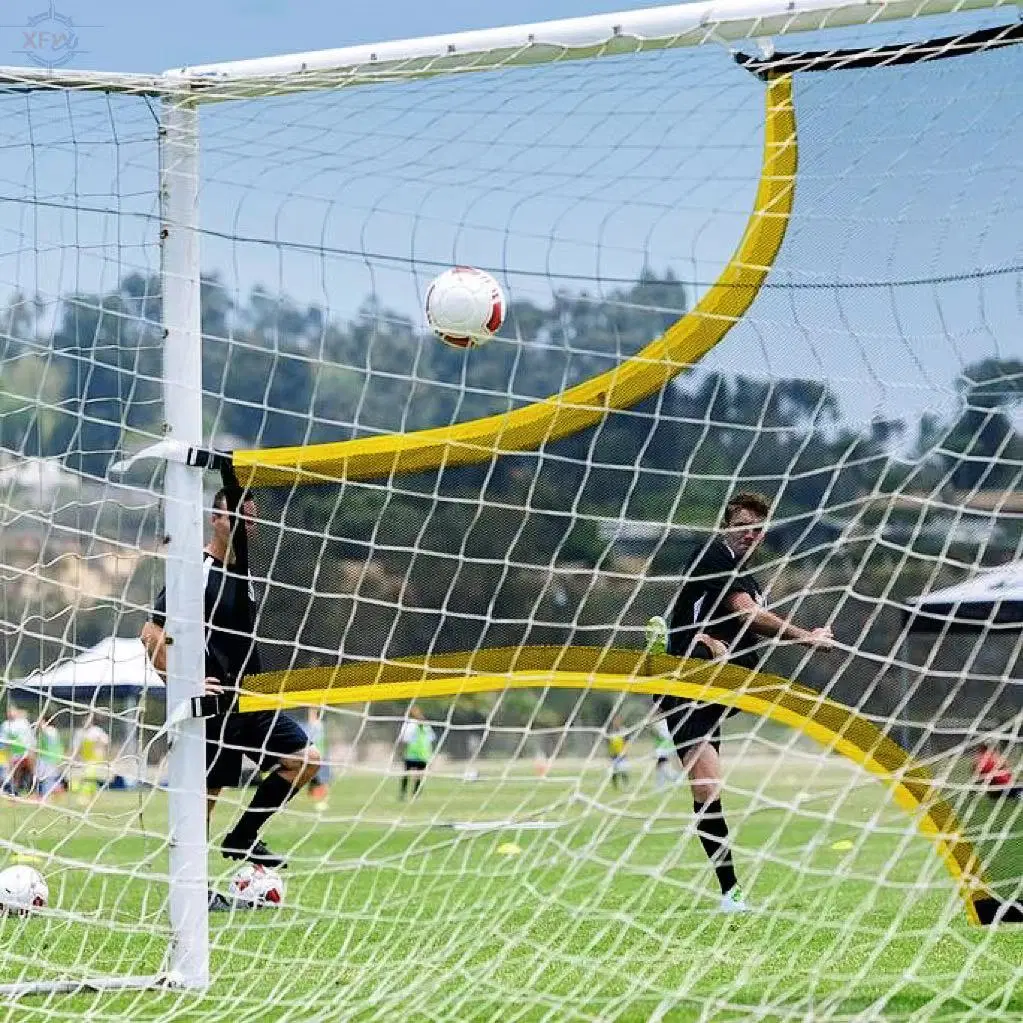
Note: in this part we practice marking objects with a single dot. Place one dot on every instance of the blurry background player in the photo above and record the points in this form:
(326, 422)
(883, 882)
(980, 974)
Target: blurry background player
(418, 738)
(718, 613)
(318, 786)
(616, 751)
(272, 739)
(17, 741)
(996, 774)
(90, 750)
(49, 758)
(664, 751)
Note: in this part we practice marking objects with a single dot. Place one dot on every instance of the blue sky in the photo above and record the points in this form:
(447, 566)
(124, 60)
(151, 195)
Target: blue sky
(887, 163)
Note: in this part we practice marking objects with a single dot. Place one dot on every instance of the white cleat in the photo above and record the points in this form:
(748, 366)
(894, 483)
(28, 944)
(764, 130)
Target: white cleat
(733, 902)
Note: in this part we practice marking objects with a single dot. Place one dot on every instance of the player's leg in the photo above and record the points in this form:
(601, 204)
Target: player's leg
(419, 771)
(662, 773)
(223, 768)
(276, 740)
(211, 802)
(696, 732)
(703, 766)
(406, 774)
(26, 775)
(223, 765)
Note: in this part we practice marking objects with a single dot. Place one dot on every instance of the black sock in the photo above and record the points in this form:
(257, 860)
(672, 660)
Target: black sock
(273, 792)
(403, 786)
(417, 781)
(713, 833)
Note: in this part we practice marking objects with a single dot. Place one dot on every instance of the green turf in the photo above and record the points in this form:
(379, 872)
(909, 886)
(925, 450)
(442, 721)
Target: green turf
(391, 915)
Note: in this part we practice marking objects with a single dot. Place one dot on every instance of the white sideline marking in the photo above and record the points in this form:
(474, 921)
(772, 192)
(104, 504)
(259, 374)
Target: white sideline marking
(501, 825)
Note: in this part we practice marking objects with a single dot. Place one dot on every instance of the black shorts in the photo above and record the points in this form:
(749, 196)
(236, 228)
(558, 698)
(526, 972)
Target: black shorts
(692, 722)
(262, 735)
(415, 765)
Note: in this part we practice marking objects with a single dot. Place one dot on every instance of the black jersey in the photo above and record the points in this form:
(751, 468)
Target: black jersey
(230, 646)
(712, 575)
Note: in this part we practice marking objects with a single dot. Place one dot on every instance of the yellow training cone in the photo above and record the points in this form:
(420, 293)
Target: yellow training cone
(842, 845)
(508, 849)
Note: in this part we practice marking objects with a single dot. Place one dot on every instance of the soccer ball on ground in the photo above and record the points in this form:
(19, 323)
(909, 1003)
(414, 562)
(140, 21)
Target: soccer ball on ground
(257, 885)
(22, 889)
(465, 307)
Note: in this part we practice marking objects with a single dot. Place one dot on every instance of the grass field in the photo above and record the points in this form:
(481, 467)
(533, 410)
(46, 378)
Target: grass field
(392, 914)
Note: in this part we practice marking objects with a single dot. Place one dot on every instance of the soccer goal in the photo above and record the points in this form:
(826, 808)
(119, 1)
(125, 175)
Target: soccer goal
(752, 247)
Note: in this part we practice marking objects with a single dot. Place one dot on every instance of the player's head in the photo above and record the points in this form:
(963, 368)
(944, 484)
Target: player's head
(416, 712)
(221, 517)
(743, 521)
(12, 712)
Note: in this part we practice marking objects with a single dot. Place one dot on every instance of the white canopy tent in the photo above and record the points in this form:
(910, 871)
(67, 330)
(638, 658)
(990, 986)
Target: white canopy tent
(993, 598)
(961, 662)
(116, 670)
(115, 667)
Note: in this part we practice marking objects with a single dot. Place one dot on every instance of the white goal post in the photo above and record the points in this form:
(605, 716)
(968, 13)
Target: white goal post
(182, 95)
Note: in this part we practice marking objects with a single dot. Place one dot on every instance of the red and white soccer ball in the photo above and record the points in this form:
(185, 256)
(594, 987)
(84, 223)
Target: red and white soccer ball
(257, 885)
(22, 889)
(465, 307)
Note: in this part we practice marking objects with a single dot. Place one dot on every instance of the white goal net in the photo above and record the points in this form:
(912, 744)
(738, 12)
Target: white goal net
(759, 252)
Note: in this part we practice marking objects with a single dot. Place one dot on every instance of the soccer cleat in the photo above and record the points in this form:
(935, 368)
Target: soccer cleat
(254, 852)
(657, 635)
(221, 903)
(733, 902)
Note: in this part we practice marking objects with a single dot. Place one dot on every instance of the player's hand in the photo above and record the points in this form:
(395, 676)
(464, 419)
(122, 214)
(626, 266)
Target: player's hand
(822, 638)
(715, 646)
(212, 686)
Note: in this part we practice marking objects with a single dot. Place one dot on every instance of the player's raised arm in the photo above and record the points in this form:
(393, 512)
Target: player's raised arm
(767, 623)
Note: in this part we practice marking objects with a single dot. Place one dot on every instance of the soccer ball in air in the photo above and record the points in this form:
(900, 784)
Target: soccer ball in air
(22, 889)
(465, 307)
(257, 885)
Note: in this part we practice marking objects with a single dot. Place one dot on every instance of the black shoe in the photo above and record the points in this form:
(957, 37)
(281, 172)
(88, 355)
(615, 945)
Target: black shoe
(220, 903)
(255, 852)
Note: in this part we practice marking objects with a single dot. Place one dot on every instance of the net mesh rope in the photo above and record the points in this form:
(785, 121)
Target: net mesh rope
(872, 390)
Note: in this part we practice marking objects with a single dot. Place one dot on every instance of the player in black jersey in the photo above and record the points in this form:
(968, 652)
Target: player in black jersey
(272, 739)
(718, 613)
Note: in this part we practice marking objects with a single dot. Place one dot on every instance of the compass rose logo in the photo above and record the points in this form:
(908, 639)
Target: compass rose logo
(50, 39)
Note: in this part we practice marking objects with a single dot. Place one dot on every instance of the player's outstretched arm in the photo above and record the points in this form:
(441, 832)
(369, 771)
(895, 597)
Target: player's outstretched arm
(155, 642)
(767, 623)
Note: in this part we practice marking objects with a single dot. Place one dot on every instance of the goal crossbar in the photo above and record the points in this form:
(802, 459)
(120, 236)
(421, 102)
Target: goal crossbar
(603, 35)
(656, 28)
